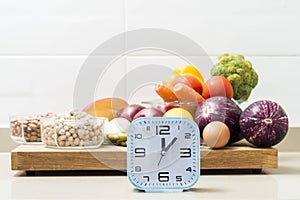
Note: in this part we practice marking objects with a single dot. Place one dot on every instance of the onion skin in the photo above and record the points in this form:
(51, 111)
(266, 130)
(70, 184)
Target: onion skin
(264, 123)
(148, 112)
(130, 111)
(220, 109)
(166, 106)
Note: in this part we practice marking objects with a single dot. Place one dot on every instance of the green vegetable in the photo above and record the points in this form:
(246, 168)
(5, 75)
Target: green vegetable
(119, 139)
(239, 72)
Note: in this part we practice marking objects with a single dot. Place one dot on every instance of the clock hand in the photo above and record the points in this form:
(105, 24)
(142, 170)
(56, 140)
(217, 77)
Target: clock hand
(163, 144)
(171, 143)
(164, 151)
(160, 160)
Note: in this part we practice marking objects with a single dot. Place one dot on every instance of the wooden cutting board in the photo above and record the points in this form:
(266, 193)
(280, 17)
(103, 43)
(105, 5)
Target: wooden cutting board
(109, 157)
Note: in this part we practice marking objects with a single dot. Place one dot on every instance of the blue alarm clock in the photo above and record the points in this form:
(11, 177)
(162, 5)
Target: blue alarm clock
(163, 154)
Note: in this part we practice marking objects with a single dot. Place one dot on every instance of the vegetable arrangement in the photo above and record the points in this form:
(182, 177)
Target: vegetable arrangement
(212, 104)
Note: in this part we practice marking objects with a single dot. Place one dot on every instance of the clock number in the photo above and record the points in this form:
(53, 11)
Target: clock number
(140, 152)
(189, 169)
(163, 177)
(188, 136)
(185, 152)
(138, 168)
(178, 178)
(147, 177)
(163, 130)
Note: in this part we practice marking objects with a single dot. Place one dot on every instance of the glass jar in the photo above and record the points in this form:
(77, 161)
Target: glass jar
(73, 133)
(25, 129)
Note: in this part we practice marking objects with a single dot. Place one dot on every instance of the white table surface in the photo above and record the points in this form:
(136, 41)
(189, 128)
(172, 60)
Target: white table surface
(281, 183)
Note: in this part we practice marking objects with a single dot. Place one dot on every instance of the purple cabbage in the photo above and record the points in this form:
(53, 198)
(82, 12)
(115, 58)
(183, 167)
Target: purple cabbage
(220, 109)
(264, 123)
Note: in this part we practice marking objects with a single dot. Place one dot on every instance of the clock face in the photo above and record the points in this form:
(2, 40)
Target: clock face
(163, 153)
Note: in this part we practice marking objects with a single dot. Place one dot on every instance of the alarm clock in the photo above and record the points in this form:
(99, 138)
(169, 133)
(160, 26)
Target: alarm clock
(163, 154)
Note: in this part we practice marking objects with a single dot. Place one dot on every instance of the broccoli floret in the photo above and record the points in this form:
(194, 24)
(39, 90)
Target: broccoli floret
(239, 72)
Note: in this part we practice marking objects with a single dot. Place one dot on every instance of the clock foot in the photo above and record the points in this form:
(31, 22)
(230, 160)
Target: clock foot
(162, 190)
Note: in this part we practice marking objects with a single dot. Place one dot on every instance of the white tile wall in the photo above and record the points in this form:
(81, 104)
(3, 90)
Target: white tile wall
(58, 27)
(33, 84)
(259, 27)
(43, 45)
(36, 84)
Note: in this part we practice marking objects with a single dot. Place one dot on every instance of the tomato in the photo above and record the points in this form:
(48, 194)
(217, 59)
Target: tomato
(217, 86)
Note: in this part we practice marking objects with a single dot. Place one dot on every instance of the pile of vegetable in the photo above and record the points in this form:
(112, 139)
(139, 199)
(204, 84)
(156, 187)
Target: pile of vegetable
(213, 104)
(263, 123)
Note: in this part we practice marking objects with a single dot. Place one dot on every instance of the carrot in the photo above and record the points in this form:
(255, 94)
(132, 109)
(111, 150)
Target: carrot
(187, 94)
(165, 92)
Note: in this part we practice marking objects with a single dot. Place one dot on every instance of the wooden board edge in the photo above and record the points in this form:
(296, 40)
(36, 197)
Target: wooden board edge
(268, 158)
(14, 160)
(57, 161)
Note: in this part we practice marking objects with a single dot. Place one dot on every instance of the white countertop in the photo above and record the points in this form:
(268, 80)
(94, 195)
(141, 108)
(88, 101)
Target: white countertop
(281, 183)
